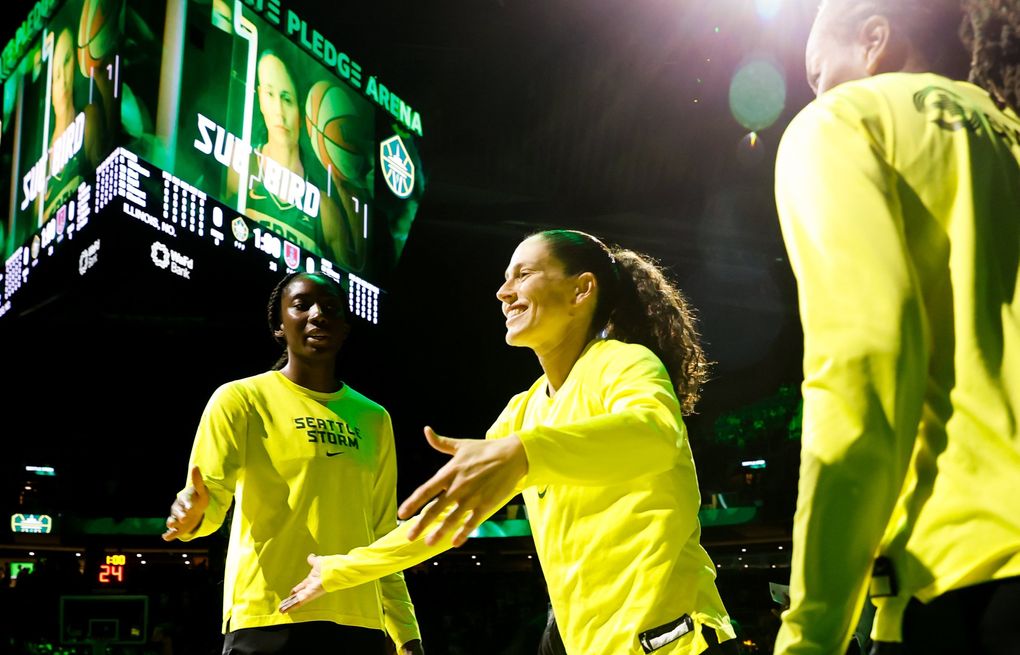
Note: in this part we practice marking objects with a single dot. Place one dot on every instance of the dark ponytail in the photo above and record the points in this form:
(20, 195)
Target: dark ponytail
(638, 304)
(991, 31)
(651, 311)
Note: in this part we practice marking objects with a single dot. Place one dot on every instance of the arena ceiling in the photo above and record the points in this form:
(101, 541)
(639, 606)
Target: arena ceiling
(626, 118)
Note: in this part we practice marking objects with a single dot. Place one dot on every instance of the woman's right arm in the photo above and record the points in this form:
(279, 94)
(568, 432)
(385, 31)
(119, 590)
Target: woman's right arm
(218, 452)
(390, 553)
(400, 549)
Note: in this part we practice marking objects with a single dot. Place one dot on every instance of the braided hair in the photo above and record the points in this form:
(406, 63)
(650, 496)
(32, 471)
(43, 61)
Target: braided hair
(636, 303)
(274, 309)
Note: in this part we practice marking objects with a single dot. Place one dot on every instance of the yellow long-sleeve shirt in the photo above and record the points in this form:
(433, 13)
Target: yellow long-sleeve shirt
(613, 500)
(309, 472)
(899, 200)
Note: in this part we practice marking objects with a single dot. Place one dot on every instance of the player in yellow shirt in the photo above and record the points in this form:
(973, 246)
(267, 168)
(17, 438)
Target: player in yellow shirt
(599, 448)
(310, 465)
(898, 192)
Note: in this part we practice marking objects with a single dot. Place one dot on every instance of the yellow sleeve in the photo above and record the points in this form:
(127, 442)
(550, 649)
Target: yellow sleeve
(392, 552)
(389, 554)
(219, 452)
(865, 359)
(640, 433)
(398, 611)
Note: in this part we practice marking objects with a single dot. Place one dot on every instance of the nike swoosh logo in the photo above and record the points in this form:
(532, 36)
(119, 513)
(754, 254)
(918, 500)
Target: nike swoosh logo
(541, 494)
(334, 454)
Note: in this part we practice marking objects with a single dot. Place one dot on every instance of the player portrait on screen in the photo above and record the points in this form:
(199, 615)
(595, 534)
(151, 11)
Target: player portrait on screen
(81, 95)
(291, 191)
(67, 127)
(62, 104)
(254, 122)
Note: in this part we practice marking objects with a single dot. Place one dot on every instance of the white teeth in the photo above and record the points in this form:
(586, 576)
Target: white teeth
(514, 312)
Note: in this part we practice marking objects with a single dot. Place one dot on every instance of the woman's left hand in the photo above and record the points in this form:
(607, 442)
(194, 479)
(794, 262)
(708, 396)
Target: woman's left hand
(307, 590)
(481, 475)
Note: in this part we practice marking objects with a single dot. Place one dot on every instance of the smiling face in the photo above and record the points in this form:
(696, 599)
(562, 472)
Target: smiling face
(278, 101)
(312, 319)
(540, 300)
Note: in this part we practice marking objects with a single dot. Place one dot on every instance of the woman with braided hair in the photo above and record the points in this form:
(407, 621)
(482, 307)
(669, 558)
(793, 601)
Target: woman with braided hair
(598, 448)
(310, 465)
(898, 192)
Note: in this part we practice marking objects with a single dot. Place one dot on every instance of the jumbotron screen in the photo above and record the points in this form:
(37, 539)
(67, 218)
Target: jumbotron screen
(233, 130)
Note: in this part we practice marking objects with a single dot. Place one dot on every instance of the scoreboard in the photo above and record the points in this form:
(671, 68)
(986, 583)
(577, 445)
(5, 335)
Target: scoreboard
(112, 570)
(182, 138)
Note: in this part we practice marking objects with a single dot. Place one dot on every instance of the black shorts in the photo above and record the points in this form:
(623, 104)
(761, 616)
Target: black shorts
(979, 620)
(305, 639)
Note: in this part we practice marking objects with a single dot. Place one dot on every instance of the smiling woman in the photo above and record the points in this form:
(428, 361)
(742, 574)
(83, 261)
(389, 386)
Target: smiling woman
(598, 449)
(269, 443)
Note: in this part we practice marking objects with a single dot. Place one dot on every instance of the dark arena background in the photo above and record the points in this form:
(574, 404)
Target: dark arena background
(135, 275)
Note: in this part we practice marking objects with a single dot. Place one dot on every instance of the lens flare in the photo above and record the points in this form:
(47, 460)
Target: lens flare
(767, 9)
(757, 94)
(750, 150)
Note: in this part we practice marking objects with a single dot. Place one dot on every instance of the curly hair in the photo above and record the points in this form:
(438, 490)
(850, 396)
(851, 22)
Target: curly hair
(991, 31)
(274, 308)
(636, 303)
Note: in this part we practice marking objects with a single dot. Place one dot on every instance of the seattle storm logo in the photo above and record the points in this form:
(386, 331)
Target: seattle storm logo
(239, 229)
(946, 109)
(397, 167)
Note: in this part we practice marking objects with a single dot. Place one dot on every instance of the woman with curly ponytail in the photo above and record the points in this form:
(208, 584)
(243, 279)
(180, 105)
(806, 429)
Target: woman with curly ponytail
(598, 448)
(898, 192)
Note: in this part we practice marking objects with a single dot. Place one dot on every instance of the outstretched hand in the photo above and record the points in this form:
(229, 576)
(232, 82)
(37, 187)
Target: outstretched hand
(187, 510)
(311, 588)
(308, 589)
(481, 475)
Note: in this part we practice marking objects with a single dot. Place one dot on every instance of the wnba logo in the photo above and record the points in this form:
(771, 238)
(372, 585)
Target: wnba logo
(397, 167)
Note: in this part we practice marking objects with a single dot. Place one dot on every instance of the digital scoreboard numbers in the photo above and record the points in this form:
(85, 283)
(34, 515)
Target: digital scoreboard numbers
(111, 571)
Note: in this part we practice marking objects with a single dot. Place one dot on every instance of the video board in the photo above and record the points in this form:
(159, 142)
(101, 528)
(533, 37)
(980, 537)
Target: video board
(204, 119)
(59, 117)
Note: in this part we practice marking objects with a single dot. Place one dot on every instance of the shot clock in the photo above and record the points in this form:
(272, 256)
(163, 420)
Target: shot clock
(111, 571)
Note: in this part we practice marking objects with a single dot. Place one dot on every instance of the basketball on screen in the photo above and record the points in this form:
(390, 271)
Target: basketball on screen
(340, 136)
(98, 33)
